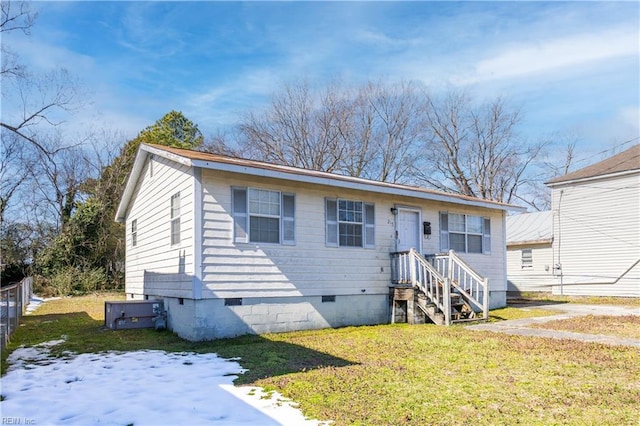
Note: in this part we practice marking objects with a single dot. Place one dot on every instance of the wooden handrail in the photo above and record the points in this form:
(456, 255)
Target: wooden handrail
(436, 282)
(467, 281)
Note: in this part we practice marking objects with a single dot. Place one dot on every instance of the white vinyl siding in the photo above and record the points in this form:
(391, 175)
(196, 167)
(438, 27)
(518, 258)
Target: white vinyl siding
(596, 231)
(538, 276)
(154, 267)
(312, 267)
(465, 233)
(270, 270)
(263, 216)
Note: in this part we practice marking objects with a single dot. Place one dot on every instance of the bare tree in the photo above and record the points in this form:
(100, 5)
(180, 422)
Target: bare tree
(368, 131)
(14, 18)
(15, 168)
(475, 149)
(298, 129)
(57, 179)
(555, 161)
(396, 129)
(31, 100)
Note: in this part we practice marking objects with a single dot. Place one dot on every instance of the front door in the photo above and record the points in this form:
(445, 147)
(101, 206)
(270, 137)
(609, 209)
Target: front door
(408, 228)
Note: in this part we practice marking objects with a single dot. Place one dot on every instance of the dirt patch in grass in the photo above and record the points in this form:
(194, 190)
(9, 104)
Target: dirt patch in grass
(627, 326)
(546, 298)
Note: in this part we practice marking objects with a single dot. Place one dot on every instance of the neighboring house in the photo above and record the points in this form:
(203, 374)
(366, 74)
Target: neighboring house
(529, 252)
(235, 246)
(596, 228)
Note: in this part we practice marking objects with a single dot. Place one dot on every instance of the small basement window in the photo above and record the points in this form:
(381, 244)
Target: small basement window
(233, 301)
(326, 299)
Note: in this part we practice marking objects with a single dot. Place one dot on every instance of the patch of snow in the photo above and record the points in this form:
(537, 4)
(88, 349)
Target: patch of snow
(35, 302)
(140, 388)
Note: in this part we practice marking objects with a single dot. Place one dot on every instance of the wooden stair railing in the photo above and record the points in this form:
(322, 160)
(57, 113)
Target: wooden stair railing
(471, 286)
(442, 300)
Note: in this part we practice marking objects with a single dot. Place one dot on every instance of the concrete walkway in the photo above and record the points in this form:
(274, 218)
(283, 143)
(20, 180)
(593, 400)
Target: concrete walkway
(565, 310)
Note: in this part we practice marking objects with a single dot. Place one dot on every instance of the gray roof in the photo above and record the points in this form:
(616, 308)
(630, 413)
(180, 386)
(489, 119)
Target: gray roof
(530, 228)
(626, 161)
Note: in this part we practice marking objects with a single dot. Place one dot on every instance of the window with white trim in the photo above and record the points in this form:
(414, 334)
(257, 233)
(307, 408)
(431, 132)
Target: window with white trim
(349, 223)
(175, 218)
(134, 232)
(263, 216)
(527, 258)
(465, 233)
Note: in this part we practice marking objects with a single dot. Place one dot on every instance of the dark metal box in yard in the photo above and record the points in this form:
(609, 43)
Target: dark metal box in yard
(131, 314)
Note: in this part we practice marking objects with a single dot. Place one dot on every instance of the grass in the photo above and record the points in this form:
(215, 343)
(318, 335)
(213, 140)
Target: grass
(394, 374)
(510, 313)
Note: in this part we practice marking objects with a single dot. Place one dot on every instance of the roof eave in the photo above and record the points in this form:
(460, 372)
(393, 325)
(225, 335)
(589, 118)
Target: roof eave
(138, 166)
(530, 242)
(557, 182)
(336, 181)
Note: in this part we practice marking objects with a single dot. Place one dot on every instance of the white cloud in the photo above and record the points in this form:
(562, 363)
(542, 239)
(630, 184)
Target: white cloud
(552, 55)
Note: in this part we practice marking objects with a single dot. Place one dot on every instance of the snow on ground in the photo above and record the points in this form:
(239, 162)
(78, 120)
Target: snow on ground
(35, 302)
(138, 388)
(135, 388)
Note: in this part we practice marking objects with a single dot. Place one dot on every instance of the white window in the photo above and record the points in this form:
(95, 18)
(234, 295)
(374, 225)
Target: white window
(134, 232)
(527, 258)
(263, 216)
(349, 223)
(465, 233)
(175, 218)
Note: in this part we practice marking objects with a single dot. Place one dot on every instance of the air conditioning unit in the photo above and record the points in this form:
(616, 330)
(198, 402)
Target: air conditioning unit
(129, 314)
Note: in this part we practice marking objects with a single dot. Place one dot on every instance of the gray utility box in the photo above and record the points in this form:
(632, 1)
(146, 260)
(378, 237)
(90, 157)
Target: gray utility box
(131, 314)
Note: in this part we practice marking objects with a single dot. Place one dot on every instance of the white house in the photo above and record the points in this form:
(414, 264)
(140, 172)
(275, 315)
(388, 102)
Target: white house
(235, 246)
(529, 252)
(596, 228)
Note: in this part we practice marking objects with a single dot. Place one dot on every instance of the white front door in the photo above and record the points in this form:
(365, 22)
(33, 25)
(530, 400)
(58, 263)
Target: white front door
(408, 228)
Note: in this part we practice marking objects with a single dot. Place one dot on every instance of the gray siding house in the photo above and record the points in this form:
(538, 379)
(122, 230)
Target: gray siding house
(235, 246)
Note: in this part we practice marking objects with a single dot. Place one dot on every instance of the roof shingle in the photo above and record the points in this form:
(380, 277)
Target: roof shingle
(625, 161)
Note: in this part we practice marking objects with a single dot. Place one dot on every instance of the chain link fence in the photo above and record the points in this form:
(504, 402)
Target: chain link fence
(14, 299)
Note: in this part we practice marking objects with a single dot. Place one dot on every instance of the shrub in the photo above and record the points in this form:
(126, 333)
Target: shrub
(71, 281)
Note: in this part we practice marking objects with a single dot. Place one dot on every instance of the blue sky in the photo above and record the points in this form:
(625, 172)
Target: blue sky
(573, 67)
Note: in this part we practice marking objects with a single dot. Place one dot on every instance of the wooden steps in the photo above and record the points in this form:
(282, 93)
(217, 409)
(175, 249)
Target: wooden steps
(461, 311)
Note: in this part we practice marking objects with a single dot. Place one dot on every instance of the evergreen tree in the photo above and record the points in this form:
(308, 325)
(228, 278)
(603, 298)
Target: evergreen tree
(88, 255)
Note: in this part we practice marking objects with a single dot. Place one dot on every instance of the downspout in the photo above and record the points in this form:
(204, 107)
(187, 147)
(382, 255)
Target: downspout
(197, 233)
(558, 265)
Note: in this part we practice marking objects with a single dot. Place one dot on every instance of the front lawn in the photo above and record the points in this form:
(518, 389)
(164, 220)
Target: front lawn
(394, 374)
